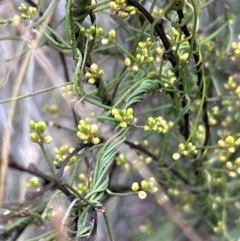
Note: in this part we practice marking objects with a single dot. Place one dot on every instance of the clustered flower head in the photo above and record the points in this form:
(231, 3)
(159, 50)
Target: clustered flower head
(27, 12)
(93, 74)
(157, 125)
(84, 185)
(169, 78)
(120, 8)
(68, 91)
(229, 143)
(185, 149)
(121, 161)
(146, 186)
(90, 32)
(235, 49)
(123, 116)
(38, 134)
(88, 132)
(143, 55)
(233, 168)
(51, 109)
(61, 154)
(33, 182)
(200, 133)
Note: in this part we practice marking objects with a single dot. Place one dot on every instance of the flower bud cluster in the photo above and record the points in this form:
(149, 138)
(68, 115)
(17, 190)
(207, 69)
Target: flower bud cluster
(200, 133)
(229, 144)
(84, 185)
(51, 109)
(90, 32)
(235, 49)
(120, 8)
(93, 74)
(233, 168)
(231, 83)
(185, 149)
(219, 228)
(145, 160)
(146, 186)
(123, 116)
(27, 12)
(33, 182)
(143, 55)
(38, 134)
(68, 91)
(157, 125)
(188, 149)
(61, 153)
(169, 78)
(87, 133)
(121, 161)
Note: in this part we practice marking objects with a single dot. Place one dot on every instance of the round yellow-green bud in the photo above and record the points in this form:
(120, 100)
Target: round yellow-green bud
(115, 112)
(82, 176)
(34, 137)
(149, 59)
(92, 81)
(237, 161)
(146, 128)
(113, 6)
(230, 140)
(148, 160)
(82, 122)
(22, 7)
(129, 9)
(229, 165)
(94, 129)
(32, 11)
(135, 68)
(112, 34)
(123, 124)
(139, 58)
(149, 42)
(104, 41)
(142, 195)
(122, 14)
(120, 2)
(101, 72)
(82, 136)
(95, 140)
(82, 30)
(118, 117)
(67, 168)
(176, 156)
(42, 126)
(221, 143)
(129, 112)
(144, 184)
(47, 139)
(94, 68)
(151, 121)
(127, 62)
(152, 181)
(32, 124)
(99, 31)
(181, 147)
(135, 186)
(88, 75)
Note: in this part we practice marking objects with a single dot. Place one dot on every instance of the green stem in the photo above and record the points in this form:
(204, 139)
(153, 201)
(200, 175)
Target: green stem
(49, 163)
